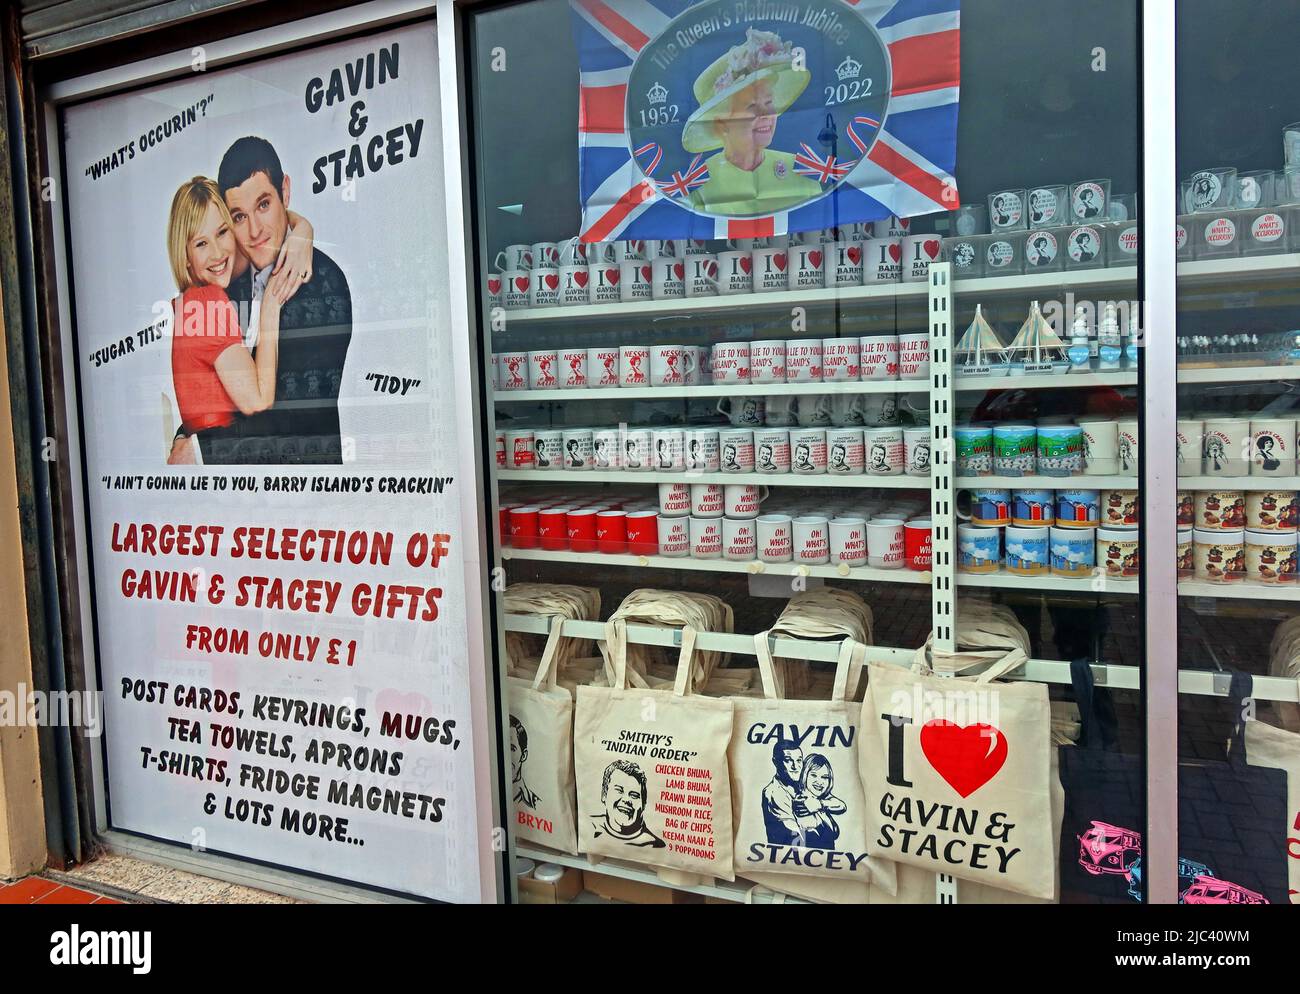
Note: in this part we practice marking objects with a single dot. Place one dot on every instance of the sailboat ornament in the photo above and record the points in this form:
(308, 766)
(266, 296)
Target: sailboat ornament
(979, 351)
(1036, 349)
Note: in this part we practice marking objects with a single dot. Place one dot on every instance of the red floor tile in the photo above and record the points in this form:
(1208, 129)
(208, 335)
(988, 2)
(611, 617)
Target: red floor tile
(69, 895)
(27, 891)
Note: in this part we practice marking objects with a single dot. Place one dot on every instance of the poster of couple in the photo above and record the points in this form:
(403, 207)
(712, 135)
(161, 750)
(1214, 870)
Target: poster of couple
(273, 433)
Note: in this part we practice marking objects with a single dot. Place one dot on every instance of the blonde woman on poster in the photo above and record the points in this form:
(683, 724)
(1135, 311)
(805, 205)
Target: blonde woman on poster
(741, 95)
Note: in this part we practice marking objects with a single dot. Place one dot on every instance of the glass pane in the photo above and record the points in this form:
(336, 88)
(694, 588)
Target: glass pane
(704, 238)
(1237, 506)
(1047, 403)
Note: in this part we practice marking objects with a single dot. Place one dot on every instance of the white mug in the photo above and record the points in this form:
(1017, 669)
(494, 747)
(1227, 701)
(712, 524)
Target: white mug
(667, 279)
(687, 247)
(812, 543)
(514, 295)
(578, 445)
(816, 410)
(572, 369)
(742, 500)
(892, 227)
(806, 267)
(885, 543)
(625, 251)
(606, 449)
(693, 365)
(702, 452)
(730, 362)
(844, 264)
(701, 276)
(736, 449)
(604, 278)
(575, 285)
(666, 366)
(775, 538)
(1272, 446)
(803, 360)
(848, 409)
(602, 366)
(848, 541)
(916, 450)
(548, 448)
(638, 455)
(707, 500)
(884, 451)
(1101, 448)
(544, 289)
(542, 369)
(706, 538)
(879, 357)
(669, 444)
(659, 248)
(574, 253)
(767, 362)
(546, 255)
(514, 257)
(808, 451)
(782, 411)
(633, 365)
(519, 449)
(845, 455)
(735, 273)
(882, 261)
(674, 499)
(918, 252)
(739, 540)
(841, 360)
(493, 285)
(634, 281)
(770, 269)
(771, 450)
(914, 357)
(674, 537)
(743, 412)
(514, 370)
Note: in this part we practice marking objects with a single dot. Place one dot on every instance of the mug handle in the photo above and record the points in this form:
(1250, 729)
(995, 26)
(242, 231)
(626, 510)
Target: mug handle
(727, 411)
(764, 493)
(499, 262)
(567, 253)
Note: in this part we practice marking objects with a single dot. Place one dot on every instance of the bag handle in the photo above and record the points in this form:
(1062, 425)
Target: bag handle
(1241, 688)
(1012, 660)
(848, 670)
(547, 670)
(773, 679)
(685, 660)
(1097, 722)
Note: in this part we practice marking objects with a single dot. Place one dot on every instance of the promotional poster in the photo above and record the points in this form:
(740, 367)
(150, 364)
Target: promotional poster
(750, 118)
(266, 390)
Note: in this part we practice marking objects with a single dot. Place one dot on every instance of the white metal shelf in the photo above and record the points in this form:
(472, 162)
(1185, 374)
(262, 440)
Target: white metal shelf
(754, 567)
(1240, 374)
(1240, 590)
(724, 890)
(1050, 482)
(1050, 381)
(1210, 271)
(860, 482)
(1095, 584)
(1238, 482)
(1200, 682)
(1029, 283)
(713, 390)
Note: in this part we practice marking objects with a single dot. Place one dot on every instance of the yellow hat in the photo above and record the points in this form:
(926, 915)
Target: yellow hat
(762, 57)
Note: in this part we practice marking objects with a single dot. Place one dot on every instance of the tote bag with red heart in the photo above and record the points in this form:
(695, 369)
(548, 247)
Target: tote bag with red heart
(957, 775)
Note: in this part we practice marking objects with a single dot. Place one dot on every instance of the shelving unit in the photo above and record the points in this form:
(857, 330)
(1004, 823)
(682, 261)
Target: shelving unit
(1239, 374)
(1049, 482)
(1051, 381)
(753, 567)
(1239, 483)
(559, 477)
(1241, 590)
(711, 390)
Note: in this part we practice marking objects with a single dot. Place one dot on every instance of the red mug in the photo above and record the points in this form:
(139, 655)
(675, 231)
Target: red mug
(916, 544)
(523, 527)
(643, 533)
(582, 529)
(553, 528)
(503, 522)
(611, 531)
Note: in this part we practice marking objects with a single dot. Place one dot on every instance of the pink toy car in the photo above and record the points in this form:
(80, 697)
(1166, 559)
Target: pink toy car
(1211, 890)
(1108, 848)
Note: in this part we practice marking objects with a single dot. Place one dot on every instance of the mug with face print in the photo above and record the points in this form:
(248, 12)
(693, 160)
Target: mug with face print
(573, 368)
(666, 364)
(808, 451)
(634, 365)
(782, 411)
(693, 365)
(845, 454)
(578, 444)
(606, 449)
(548, 449)
(743, 412)
(772, 450)
(669, 449)
(736, 448)
(543, 369)
(602, 366)
(638, 450)
(815, 410)
(702, 451)
(514, 371)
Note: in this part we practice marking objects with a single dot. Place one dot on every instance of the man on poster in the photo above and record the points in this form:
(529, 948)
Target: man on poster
(302, 425)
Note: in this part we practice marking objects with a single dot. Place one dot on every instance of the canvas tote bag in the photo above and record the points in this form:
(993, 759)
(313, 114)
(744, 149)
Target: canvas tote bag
(957, 774)
(556, 600)
(651, 765)
(665, 609)
(540, 750)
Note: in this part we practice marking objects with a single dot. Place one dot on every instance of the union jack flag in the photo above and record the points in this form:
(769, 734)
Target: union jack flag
(904, 164)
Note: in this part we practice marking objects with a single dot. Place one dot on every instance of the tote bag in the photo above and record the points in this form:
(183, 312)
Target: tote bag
(797, 801)
(957, 775)
(1280, 749)
(540, 743)
(651, 766)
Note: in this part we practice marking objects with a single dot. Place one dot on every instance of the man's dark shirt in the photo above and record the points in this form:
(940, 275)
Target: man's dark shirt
(302, 426)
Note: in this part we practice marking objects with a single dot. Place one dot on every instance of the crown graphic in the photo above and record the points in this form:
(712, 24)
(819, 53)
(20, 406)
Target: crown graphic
(849, 68)
(657, 94)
